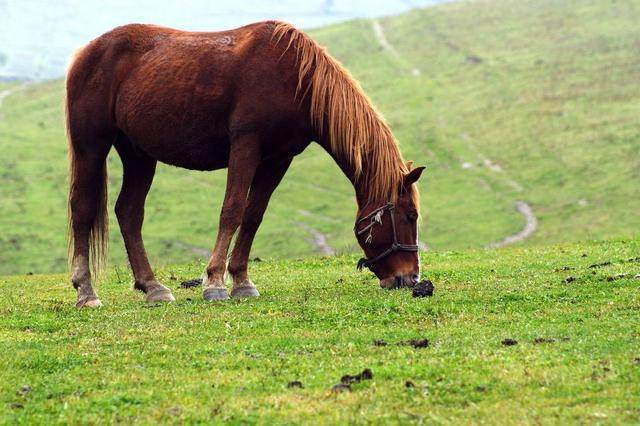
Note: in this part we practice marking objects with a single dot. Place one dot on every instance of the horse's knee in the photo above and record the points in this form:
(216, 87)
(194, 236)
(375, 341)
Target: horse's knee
(121, 210)
(231, 215)
(128, 216)
(83, 209)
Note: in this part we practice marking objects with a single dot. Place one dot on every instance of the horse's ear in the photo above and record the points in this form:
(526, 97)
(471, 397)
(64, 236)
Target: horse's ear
(413, 176)
(409, 164)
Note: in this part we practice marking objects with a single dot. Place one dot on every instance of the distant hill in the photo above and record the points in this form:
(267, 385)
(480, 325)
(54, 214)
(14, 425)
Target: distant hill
(505, 101)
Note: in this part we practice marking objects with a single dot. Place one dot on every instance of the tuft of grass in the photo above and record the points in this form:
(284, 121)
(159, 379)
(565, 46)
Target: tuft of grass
(576, 358)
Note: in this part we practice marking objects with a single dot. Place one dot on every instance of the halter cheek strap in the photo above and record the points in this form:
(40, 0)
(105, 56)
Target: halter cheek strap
(376, 217)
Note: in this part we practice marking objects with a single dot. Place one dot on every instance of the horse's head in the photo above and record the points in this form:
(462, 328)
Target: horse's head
(388, 235)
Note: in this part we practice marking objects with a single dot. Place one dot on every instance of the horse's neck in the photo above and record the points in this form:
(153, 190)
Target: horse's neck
(360, 185)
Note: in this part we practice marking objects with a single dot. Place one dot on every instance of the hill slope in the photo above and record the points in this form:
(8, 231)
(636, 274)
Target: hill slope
(575, 359)
(505, 101)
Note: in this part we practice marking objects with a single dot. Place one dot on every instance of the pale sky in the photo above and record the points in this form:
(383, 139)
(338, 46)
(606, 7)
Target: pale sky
(38, 36)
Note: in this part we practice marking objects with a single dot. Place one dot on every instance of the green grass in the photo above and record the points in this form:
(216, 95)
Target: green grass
(194, 361)
(553, 100)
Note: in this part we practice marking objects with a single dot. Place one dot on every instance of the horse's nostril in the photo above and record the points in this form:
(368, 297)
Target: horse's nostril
(415, 278)
(398, 281)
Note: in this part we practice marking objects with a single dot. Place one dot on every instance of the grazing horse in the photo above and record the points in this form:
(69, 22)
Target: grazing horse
(248, 99)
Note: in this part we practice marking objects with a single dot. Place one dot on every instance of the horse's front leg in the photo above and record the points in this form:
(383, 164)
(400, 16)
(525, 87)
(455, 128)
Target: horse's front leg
(243, 161)
(265, 181)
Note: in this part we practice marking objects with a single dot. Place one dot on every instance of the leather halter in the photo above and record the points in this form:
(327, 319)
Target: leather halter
(373, 218)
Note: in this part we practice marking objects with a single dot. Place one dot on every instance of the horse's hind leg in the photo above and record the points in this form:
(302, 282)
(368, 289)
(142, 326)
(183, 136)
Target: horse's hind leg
(243, 161)
(87, 213)
(265, 181)
(138, 171)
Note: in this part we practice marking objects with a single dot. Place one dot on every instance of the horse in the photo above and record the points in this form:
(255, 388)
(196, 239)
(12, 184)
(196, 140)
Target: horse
(249, 100)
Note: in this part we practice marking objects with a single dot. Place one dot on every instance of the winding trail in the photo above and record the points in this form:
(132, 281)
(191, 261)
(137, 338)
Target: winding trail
(319, 240)
(522, 207)
(531, 222)
(199, 251)
(382, 39)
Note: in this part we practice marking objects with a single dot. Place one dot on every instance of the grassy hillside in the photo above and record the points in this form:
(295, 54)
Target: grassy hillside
(503, 100)
(576, 359)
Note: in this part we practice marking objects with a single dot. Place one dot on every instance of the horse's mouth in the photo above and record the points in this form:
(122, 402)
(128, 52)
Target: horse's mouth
(397, 281)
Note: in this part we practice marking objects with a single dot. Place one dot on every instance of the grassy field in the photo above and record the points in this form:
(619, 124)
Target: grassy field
(503, 100)
(577, 357)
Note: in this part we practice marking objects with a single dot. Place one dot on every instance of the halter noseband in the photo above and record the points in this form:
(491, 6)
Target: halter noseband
(373, 218)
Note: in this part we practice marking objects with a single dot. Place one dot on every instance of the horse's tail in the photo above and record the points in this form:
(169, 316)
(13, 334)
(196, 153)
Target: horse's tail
(99, 232)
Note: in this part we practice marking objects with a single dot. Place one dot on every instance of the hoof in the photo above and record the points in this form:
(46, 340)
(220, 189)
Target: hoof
(245, 291)
(159, 294)
(215, 293)
(88, 302)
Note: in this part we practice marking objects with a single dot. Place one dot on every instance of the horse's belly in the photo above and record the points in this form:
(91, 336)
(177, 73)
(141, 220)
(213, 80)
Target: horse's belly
(201, 153)
(177, 131)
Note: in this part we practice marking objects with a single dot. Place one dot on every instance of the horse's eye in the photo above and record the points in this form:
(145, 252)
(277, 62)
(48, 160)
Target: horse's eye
(412, 216)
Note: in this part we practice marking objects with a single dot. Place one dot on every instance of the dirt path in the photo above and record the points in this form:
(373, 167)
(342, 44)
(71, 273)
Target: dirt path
(531, 223)
(382, 39)
(319, 240)
(205, 253)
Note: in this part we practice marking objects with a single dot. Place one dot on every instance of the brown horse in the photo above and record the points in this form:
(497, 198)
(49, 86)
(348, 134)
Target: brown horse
(248, 99)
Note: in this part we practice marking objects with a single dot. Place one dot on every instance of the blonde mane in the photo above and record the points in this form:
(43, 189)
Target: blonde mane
(342, 112)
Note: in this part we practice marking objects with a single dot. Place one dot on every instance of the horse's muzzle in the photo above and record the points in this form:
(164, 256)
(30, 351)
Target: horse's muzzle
(399, 281)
